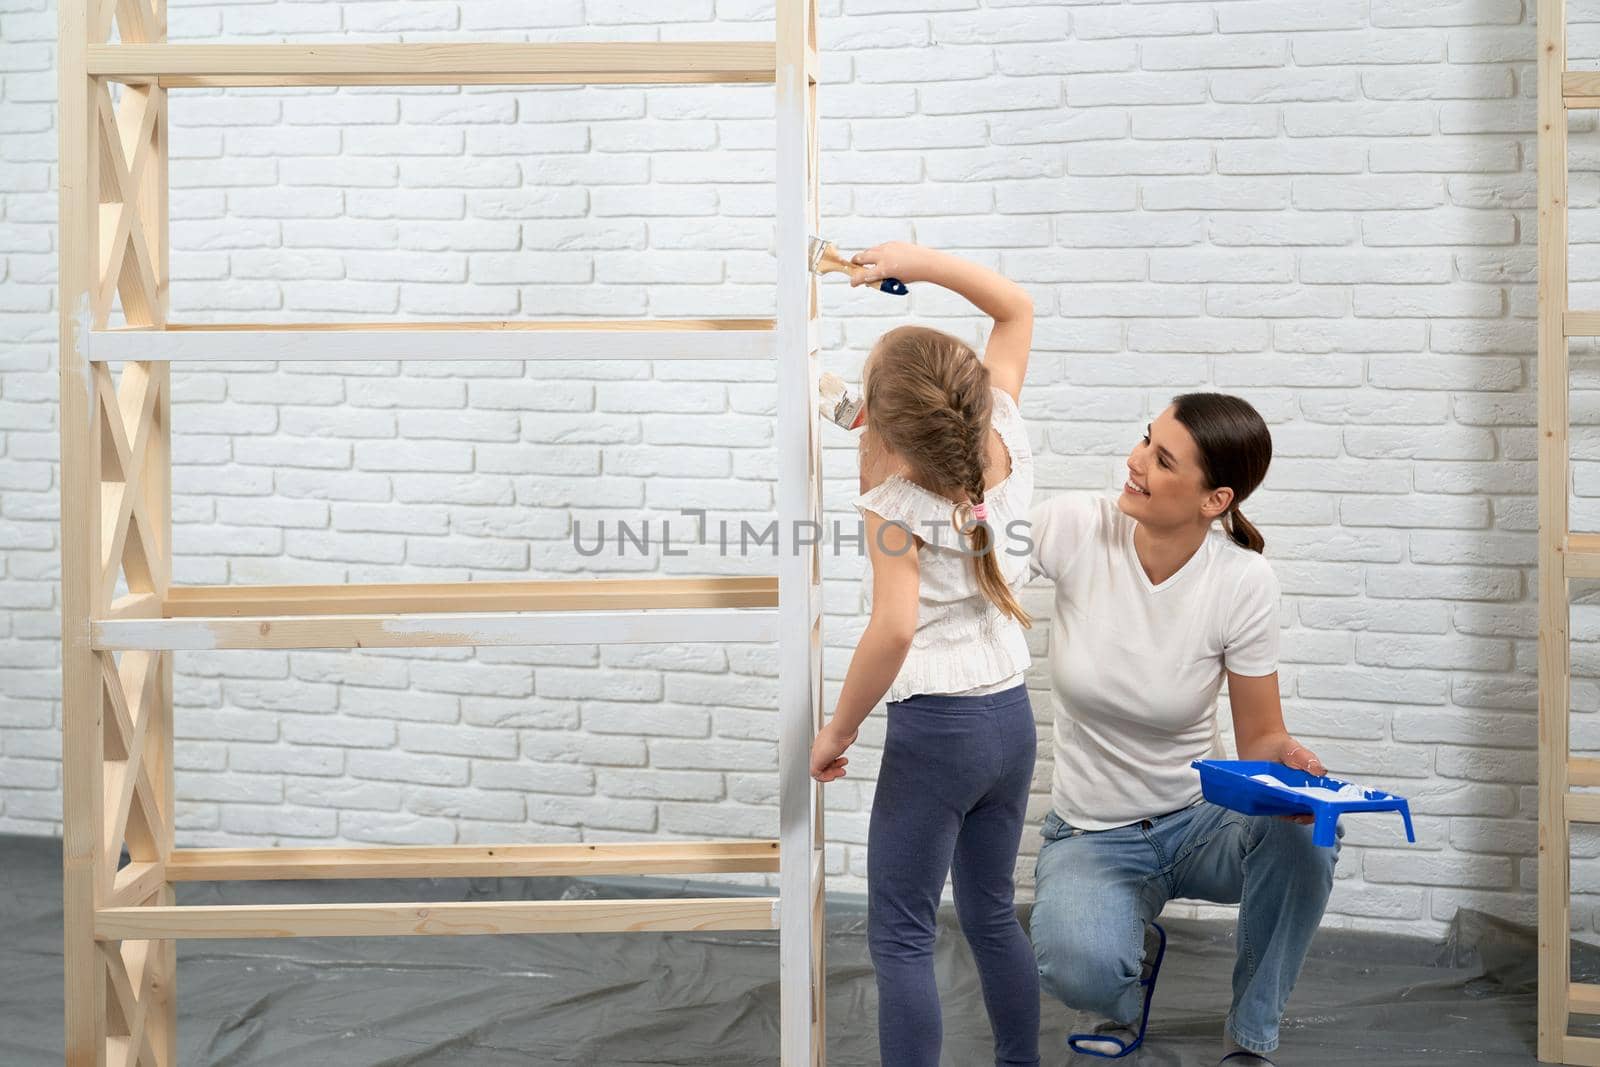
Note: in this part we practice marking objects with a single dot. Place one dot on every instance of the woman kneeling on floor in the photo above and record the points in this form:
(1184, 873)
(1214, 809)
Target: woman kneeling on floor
(1159, 593)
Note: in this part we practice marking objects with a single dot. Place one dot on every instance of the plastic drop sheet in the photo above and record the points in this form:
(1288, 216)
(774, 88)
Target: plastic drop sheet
(614, 1000)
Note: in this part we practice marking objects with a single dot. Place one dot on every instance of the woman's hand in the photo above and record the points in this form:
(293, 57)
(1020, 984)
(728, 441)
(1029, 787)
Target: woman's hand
(827, 753)
(1294, 754)
(892, 259)
(1301, 758)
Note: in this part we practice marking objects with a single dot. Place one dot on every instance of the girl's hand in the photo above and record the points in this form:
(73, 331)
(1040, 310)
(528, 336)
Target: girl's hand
(827, 753)
(893, 259)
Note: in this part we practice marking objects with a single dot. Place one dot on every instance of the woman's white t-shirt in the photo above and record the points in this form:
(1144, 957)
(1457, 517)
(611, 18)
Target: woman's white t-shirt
(1134, 667)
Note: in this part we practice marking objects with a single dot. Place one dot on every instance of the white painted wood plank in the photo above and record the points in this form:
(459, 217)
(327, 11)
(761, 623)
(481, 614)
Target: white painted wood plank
(799, 688)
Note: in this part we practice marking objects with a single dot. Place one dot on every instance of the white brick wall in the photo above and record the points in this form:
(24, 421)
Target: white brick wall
(1326, 208)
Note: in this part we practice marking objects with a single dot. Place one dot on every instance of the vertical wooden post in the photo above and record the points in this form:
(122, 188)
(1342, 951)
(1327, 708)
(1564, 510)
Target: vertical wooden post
(801, 962)
(84, 879)
(154, 211)
(117, 767)
(1554, 650)
(817, 889)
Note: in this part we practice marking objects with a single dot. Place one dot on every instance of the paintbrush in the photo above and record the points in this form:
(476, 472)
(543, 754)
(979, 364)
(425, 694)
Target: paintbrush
(825, 259)
(839, 403)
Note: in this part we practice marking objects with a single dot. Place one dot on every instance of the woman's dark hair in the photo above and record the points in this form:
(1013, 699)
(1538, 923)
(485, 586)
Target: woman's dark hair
(1235, 450)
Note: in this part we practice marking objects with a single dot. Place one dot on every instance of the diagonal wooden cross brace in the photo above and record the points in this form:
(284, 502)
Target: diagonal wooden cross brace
(127, 779)
(122, 501)
(136, 21)
(128, 1008)
(127, 134)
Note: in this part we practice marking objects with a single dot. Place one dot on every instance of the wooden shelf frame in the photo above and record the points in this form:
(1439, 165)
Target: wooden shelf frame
(122, 923)
(172, 66)
(1580, 89)
(445, 614)
(473, 861)
(446, 918)
(1564, 556)
(745, 339)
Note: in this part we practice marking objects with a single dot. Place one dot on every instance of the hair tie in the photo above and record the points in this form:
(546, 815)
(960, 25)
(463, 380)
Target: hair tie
(980, 511)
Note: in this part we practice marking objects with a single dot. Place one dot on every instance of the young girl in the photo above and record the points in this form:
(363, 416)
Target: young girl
(946, 471)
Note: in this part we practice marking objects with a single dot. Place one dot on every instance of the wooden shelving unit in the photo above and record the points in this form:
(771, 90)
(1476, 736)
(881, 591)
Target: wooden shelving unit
(121, 919)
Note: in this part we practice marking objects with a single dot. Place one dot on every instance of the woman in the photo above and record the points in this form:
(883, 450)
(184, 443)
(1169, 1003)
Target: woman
(1159, 594)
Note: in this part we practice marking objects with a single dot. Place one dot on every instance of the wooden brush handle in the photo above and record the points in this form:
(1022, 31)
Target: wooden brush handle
(831, 262)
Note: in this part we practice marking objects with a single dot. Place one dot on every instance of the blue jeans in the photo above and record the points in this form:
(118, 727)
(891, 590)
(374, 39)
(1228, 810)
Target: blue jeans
(1096, 890)
(952, 790)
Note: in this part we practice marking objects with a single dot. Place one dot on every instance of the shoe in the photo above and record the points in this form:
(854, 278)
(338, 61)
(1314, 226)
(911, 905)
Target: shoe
(1108, 1040)
(1116, 1040)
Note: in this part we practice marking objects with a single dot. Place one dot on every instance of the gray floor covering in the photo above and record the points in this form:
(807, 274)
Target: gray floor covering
(712, 999)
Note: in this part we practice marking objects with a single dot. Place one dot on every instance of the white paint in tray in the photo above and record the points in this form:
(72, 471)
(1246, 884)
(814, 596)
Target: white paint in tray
(1348, 791)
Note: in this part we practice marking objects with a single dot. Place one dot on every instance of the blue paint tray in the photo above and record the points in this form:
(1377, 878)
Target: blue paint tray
(1230, 784)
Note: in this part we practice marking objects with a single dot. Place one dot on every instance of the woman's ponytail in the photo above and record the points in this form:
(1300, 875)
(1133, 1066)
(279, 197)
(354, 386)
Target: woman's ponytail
(1243, 531)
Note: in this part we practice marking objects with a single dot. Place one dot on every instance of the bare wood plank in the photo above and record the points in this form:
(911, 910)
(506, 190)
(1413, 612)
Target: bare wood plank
(134, 884)
(474, 861)
(126, 526)
(1578, 1051)
(557, 325)
(85, 880)
(115, 221)
(1581, 771)
(162, 1015)
(135, 606)
(1554, 459)
(550, 340)
(129, 978)
(131, 690)
(127, 142)
(151, 206)
(1578, 83)
(1581, 323)
(227, 81)
(1581, 556)
(135, 20)
(613, 626)
(536, 595)
(1582, 807)
(1583, 998)
(434, 919)
(413, 64)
